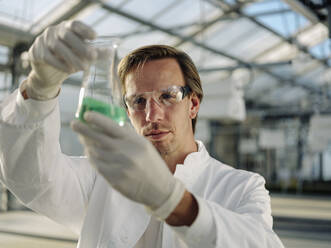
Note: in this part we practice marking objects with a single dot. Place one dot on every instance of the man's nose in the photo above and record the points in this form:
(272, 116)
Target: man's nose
(154, 112)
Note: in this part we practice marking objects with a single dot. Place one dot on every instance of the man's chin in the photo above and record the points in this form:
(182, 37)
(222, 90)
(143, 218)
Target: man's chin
(163, 147)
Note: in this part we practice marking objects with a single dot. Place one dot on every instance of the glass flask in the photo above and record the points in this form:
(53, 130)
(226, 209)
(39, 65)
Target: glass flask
(101, 89)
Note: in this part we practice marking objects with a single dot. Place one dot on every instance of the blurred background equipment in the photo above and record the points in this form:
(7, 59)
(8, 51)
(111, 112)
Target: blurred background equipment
(270, 138)
(265, 67)
(223, 101)
(319, 135)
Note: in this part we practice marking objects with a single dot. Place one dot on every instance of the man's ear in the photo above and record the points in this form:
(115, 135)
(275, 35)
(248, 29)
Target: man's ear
(194, 105)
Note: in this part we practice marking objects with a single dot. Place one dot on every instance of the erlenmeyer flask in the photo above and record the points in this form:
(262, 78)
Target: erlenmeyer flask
(101, 89)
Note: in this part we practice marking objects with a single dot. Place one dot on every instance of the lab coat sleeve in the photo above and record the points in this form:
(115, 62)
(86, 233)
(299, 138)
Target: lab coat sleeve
(249, 225)
(32, 165)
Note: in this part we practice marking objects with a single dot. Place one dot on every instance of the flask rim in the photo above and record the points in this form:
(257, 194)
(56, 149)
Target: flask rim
(105, 40)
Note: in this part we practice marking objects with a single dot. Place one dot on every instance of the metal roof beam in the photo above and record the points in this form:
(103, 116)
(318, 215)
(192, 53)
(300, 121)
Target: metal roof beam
(290, 40)
(272, 12)
(293, 42)
(252, 65)
(184, 38)
(224, 16)
(79, 6)
(11, 36)
(303, 10)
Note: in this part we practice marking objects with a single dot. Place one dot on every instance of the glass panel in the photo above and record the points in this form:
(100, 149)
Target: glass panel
(232, 30)
(136, 41)
(151, 9)
(244, 39)
(114, 25)
(52, 15)
(116, 3)
(204, 58)
(4, 55)
(93, 16)
(282, 52)
(255, 42)
(214, 77)
(322, 50)
(263, 6)
(283, 24)
(22, 14)
(313, 35)
(199, 11)
(286, 23)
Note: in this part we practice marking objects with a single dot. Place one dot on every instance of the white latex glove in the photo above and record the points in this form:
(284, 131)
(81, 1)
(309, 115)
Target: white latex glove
(59, 51)
(130, 163)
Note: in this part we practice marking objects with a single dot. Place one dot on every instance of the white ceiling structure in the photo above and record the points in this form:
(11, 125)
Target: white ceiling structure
(279, 51)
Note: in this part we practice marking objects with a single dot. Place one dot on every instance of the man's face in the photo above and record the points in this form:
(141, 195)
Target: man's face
(169, 128)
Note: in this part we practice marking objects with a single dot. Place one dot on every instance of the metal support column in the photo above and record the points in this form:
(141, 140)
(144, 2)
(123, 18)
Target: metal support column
(321, 167)
(329, 19)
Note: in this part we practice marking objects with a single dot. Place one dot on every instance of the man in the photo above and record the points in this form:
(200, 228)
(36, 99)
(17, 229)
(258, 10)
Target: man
(156, 187)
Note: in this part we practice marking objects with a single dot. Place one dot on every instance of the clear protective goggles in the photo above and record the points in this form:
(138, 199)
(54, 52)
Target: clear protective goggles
(163, 97)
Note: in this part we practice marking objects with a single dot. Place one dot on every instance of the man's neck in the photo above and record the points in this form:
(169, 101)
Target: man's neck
(178, 156)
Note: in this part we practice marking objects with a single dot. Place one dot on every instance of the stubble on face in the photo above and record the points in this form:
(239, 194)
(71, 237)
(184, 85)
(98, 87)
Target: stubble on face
(164, 147)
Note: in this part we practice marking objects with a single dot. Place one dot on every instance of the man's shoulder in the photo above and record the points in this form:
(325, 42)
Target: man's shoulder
(220, 169)
(227, 185)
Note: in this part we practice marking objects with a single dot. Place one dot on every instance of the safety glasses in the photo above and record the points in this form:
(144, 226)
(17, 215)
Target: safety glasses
(163, 97)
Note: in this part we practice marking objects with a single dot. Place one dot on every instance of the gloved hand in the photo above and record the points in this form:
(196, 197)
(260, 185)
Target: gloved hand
(130, 163)
(55, 54)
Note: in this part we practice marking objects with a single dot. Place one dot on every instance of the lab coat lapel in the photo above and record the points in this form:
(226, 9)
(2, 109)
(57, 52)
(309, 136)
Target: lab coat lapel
(193, 166)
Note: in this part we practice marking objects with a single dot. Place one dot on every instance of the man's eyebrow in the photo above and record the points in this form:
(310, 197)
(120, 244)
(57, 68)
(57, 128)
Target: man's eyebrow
(169, 88)
(135, 94)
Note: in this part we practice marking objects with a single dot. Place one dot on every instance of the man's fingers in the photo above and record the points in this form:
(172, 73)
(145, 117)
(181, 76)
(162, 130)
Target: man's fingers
(88, 135)
(79, 46)
(81, 29)
(67, 55)
(113, 171)
(107, 155)
(92, 136)
(51, 59)
(107, 125)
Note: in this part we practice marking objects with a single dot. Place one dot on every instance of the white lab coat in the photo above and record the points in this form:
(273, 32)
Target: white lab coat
(234, 206)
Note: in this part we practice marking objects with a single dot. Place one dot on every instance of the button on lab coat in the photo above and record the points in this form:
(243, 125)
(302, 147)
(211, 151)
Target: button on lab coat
(234, 206)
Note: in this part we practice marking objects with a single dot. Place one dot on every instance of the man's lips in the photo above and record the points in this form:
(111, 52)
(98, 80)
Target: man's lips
(156, 134)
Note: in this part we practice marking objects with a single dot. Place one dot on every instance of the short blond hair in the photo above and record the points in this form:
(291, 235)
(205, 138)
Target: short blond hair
(137, 58)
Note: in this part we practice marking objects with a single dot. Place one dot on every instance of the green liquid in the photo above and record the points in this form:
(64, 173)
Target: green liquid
(114, 112)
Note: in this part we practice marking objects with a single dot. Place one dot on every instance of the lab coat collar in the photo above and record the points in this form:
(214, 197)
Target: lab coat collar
(193, 165)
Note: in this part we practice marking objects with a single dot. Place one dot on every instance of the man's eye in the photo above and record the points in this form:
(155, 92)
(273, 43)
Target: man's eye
(167, 96)
(139, 101)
